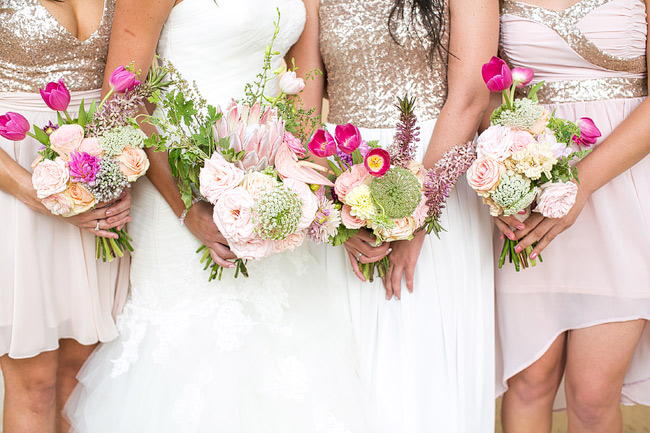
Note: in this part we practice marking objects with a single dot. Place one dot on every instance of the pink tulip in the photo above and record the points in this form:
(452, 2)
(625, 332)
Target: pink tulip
(123, 80)
(347, 137)
(377, 162)
(322, 144)
(13, 126)
(589, 133)
(56, 96)
(497, 75)
(522, 76)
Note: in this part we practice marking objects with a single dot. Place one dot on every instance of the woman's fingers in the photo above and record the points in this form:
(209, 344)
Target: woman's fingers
(355, 266)
(511, 221)
(388, 283)
(117, 224)
(366, 236)
(530, 224)
(219, 254)
(534, 236)
(396, 281)
(505, 229)
(102, 233)
(120, 206)
(545, 241)
(410, 277)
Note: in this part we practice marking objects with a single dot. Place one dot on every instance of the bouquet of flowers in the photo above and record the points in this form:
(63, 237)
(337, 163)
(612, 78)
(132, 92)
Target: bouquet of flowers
(88, 160)
(525, 157)
(387, 191)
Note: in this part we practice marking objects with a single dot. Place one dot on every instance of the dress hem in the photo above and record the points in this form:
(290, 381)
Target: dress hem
(83, 342)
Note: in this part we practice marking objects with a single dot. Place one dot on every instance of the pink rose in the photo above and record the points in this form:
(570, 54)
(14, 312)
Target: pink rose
(218, 176)
(67, 139)
(420, 213)
(495, 142)
(254, 249)
(555, 200)
(350, 179)
(50, 177)
(133, 163)
(294, 144)
(91, 146)
(309, 201)
(484, 174)
(520, 140)
(233, 215)
(349, 220)
(290, 243)
(58, 204)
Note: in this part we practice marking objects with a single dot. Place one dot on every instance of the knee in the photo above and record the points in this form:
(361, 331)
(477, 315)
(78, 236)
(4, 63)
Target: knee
(593, 401)
(535, 384)
(39, 391)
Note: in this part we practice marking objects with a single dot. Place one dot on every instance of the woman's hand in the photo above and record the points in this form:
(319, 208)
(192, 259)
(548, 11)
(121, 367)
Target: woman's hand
(505, 225)
(403, 260)
(105, 217)
(361, 248)
(199, 221)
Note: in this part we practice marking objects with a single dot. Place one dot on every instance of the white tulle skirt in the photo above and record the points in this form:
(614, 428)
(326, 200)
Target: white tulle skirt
(266, 354)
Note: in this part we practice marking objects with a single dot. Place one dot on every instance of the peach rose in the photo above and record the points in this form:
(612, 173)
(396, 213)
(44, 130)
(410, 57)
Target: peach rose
(218, 176)
(403, 230)
(290, 243)
(350, 179)
(50, 177)
(233, 215)
(484, 174)
(309, 201)
(254, 249)
(133, 163)
(82, 199)
(66, 139)
(556, 199)
(349, 220)
(91, 146)
(58, 204)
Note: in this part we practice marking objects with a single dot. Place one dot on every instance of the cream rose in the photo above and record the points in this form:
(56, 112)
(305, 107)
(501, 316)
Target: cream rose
(520, 140)
(484, 174)
(58, 204)
(133, 163)
(256, 183)
(556, 199)
(82, 199)
(218, 176)
(540, 124)
(349, 220)
(290, 243)
(66, 139)
(254, 249)
(50, 177)
(403, 230)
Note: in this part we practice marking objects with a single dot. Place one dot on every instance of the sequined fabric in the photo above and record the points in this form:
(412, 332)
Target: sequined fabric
(367, 70)
(36, 49)
(596, 89)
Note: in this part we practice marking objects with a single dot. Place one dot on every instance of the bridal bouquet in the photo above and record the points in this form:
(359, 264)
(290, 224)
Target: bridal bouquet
(525, 157)
(387, 191)
(88, 160)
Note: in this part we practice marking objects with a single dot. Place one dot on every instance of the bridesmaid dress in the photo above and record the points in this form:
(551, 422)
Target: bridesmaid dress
(51, 286)
(592, 57)
(426, 360)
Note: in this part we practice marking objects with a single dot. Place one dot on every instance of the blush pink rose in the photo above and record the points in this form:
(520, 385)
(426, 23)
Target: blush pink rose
(58, 204)
(218, 176)
(309, 201)
(350, 179)
(520, 141)
(495, 142)
(349, 220)
(66, 139)
(133, 163)
(91, 146)
(555, 200)
(254, 249)
(50, 177)
(420, 213)
(290, 243)
(484, 174)
(82, 199)
(233, 215)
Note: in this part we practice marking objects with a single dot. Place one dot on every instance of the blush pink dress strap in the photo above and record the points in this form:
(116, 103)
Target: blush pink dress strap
(592, 57)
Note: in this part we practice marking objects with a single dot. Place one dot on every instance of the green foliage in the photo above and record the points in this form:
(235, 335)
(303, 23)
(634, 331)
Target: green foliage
(564, 130)
(342, 236)
(565, 170)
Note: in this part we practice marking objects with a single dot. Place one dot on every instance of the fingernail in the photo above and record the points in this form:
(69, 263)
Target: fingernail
(518, 249)
(511, 236)
(501, 236)
(390, 250)
(109, 212)
(533, 256)
(521, 227)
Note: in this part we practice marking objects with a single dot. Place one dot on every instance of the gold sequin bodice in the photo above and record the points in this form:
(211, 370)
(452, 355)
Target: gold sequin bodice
(367, 70)
(36, 49)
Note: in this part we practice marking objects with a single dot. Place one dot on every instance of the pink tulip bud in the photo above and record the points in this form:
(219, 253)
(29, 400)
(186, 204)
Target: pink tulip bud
(348, 137)
(589, 133)
(497, 75)
(522, 76)
(56, 96)
(290, 84)
(322, 144)
(377, 162)
(123, 80)
(13, 126)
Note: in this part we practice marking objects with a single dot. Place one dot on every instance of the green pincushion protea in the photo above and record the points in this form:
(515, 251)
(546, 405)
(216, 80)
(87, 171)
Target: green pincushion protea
(278, 213)
(397, 192)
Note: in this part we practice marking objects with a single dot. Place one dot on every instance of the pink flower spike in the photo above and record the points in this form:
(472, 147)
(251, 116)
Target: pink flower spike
(322, 144)
(497, 75)
(522, 76)
(377, 162)
(589, 132)
(348, 137)
(123, 80)
(13, 126)
(56, 96)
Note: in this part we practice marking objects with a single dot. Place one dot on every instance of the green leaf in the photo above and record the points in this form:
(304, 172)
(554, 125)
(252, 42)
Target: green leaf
(357, 158)
(41, 136)
(532, 93)
(342, 235)
(82, 117)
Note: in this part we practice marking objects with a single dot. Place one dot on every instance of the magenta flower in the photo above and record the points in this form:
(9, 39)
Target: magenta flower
(377, 162)
(522, 76)
(347, 137)
(589, 133)
(123, 80)
(83, 167)
(497, 75)
(322, 144)
(56, 96)
(13, 126)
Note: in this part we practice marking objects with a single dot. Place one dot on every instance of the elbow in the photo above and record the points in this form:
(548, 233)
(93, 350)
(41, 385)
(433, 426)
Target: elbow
(469, 105)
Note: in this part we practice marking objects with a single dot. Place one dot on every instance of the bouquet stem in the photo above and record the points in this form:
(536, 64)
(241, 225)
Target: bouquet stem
(380, 268)
(109, 249)
(520, 260)
(216, 270)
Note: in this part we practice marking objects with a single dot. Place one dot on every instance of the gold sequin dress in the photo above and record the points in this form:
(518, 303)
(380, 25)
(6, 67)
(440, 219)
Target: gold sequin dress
(592, 57)
(426, 360)
(51, 286)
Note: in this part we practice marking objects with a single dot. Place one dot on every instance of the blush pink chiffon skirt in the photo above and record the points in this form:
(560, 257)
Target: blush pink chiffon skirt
(51, 286)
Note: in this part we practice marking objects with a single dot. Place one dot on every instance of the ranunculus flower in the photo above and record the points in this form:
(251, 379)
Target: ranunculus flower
(13, 126)
(254, 249)
(309, 201)
(56, 96)
(349, 220)
(50, 177)
(67, 139)
(290, 84)
(218, 176)
(522, 76)
(83, 167)
(347, 137)
(555, 199)
(350, 179)
(233, 215)
(322, 144)
(289, 243)
(123, 80)
(294, 144)
(377, 162)
(497, 75)
(91, 146)
(82, 199)
(589, 133)
(133, 163)
(484, 174)
(58, 204)
(495, 143)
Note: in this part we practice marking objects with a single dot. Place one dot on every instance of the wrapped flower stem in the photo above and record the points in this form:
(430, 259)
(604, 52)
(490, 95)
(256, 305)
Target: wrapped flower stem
(520, 260)
(216, 270)
(108, 249)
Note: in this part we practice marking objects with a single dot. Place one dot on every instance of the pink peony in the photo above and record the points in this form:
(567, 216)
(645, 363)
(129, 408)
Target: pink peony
(67, 139)
(495, 142)
(253, 249)
(484, 174)
(133, 163)
(349, 220)
(350, 179)
(520, 140)
(50, 177)
(291, 84)
(91, 146)
(294, 144)
(309, 201)
(556, 199)
(290, 243)
(58, 204)
(559, 149)
(218, 176)
(233, 215)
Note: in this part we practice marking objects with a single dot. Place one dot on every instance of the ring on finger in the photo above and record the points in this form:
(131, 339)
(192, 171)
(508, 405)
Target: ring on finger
(358, 256)
(97, 226)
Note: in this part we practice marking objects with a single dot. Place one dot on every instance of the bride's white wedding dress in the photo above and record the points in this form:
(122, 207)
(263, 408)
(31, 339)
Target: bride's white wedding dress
(265, 354)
